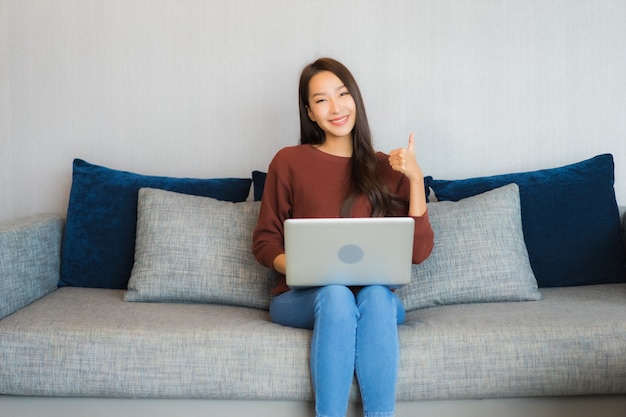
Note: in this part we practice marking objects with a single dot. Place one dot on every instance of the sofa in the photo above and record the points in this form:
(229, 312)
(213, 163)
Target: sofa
(144, 298)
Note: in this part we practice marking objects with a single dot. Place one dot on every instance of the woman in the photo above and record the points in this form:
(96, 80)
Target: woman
(335, 172)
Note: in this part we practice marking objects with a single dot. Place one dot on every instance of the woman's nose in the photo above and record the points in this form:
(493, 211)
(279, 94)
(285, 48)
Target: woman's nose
(334, 106)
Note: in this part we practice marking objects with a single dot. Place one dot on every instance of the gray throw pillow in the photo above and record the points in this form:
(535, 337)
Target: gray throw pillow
(479, 254)
(196, 249)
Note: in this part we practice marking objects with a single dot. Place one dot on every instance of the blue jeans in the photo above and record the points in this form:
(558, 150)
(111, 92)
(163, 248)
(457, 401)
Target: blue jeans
(349, 333)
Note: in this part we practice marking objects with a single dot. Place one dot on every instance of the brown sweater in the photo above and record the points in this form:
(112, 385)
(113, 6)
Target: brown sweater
(304, 182)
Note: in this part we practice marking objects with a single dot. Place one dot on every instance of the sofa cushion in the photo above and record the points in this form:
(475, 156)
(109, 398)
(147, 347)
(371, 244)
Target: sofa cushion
(258, 184)
(479, 254)
(570, 219)
(197, 249)
(96, 345)
(572, 342)
(99, 240)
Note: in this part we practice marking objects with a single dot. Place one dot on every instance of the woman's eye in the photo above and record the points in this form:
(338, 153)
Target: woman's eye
(344, 93)
(321, 100)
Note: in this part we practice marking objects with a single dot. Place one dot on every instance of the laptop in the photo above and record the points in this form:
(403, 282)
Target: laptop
(349, 251)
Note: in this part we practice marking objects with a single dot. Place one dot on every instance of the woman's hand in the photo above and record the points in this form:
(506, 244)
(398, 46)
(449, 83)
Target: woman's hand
(280, 264)
(403, 160)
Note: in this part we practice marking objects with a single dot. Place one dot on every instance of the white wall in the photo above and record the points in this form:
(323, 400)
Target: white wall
(208, 88)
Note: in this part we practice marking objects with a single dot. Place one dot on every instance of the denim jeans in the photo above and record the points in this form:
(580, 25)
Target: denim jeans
(350, 333)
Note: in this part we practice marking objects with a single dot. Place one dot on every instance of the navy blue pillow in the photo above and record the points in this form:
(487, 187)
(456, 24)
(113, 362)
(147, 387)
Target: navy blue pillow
(99, 239)
(258, 181)
(570, 220)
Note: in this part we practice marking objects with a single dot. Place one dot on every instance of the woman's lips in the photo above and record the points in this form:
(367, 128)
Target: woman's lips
(340, 121)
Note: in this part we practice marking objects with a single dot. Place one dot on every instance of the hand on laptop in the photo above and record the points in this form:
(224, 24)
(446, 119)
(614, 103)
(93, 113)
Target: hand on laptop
(280, 263)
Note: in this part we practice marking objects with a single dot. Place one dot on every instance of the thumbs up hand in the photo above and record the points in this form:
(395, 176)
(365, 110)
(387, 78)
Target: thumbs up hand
(403, 160)
(411, 147)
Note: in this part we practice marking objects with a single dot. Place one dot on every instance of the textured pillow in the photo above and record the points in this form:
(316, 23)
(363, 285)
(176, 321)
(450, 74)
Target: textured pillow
(479, 254)
(258, 183)
(99, 240)
(570, 219)
(197, 249)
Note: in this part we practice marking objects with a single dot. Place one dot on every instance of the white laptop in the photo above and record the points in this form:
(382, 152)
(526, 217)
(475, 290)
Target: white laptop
(353, 251)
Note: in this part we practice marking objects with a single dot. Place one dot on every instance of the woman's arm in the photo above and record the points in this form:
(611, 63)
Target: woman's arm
(403, 160)
(267, 240)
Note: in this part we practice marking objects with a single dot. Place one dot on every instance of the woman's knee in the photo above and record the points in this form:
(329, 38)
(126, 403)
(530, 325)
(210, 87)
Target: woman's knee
(294, 308)
(380, 299)
(336, 300)
(378, 294)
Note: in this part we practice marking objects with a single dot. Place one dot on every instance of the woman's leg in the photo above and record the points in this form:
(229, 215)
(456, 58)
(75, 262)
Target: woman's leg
(331, 312)
(377, 349)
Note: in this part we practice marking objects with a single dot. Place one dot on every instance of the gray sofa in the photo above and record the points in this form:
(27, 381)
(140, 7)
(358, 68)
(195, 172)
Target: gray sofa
(82, 342)
(93, 351)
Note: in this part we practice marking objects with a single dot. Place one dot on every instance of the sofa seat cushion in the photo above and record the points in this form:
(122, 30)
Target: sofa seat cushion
(572, 342)
(89, 342)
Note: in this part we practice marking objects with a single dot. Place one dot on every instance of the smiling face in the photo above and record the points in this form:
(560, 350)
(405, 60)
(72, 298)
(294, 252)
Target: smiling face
(331, 106)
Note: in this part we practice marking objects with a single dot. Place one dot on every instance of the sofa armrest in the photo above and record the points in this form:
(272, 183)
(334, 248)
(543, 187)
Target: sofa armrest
(30, 260)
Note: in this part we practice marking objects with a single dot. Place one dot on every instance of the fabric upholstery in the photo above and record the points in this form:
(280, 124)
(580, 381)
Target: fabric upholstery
(570, 219)
(197, 249)
(479, 254)
(258, 184)
(571, 342)
(30, 258)
(99, 240)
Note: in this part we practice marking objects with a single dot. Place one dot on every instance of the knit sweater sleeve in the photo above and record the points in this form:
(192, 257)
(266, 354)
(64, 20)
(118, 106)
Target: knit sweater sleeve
(423, 239)
(268, 237)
